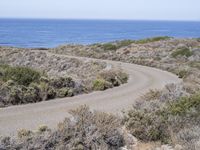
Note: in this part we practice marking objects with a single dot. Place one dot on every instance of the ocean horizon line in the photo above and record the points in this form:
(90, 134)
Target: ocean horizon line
(97, 19)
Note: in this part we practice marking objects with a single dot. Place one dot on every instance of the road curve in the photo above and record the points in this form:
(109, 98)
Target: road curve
(30, 116)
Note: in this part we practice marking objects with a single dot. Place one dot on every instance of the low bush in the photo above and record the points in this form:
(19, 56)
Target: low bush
(21, 95)
(152, 95)
(64, 92)
(43, 128)
(182, 73)
(124, 43)
(155, 39)
(14, 94)
(108, 79)
(182, 52)
(21, 85)
(109, 46)
(23, 133)
(115, 77)
(62, 82)
(101, 84)
(189, 137)
(20, 75)
(146, 126)
(185, 105)
(195, 65)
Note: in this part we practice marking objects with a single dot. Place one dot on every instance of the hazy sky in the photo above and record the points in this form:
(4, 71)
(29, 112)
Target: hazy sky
(102, 9)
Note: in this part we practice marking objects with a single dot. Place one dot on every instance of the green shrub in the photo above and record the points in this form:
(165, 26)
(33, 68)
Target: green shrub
(195, 64)
(185, 105)
(182, 73)
(114, 77)
(122, 77)
(109, 46)
(64, 92)
(124, 43)
(101, 84)
(146, 126)
(62, 82)
(30, 95)
(20, 75)
(21, 95)
(152, 95)
(154, 39)
(51, 93)
(15, 96)
(43, 128)
(43, 88)
(182, 52)
(23, 133)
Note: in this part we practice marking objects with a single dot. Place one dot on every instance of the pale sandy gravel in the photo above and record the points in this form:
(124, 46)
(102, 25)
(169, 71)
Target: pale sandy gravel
(30, 116)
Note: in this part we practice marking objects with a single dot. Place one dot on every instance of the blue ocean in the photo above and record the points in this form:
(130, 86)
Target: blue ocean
(51, 33)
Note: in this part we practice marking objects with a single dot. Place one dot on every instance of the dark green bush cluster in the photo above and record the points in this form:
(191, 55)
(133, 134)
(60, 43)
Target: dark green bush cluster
(124, 43)
(86, 130)
(109, 46)
(155, 39)
(101, 84)
(108, 79)
(185, 105)
(115, 46)
(44, 89)
(182, 52)
(182, 73)
(20, 75)
(21, 85)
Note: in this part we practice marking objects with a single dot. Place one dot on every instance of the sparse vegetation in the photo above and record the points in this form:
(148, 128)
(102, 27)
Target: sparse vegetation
(195, 65)
(85, 130)
(147, 126)
(182, 52)
(115, 45)
(152, 95)
(160, 120)
(109, 46)
(170, 115)
(28, 76)
(185, 105)
(23, 133)
(124, 43)
(154, 39)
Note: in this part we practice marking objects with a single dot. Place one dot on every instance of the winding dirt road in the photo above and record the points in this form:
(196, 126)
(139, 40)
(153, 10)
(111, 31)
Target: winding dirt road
(30, 116)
